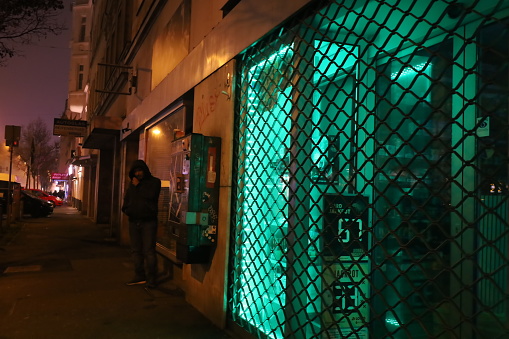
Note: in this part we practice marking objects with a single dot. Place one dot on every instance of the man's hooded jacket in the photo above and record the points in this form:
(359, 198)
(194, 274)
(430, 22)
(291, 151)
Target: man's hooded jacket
(140, 202)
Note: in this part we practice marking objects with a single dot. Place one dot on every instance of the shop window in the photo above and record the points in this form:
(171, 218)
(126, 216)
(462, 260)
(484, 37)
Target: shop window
(159, 136)
(372, 189)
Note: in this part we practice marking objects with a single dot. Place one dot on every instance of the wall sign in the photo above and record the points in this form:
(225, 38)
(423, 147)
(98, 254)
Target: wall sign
(66, 127)
(345, 225)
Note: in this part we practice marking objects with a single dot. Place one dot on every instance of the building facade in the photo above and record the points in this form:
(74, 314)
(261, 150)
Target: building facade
(360, 187)
(75, 161)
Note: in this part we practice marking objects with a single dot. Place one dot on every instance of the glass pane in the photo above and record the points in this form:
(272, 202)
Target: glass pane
(333, 116)
(158, 160)
(265, 123)
(413, 164)
(338, 217)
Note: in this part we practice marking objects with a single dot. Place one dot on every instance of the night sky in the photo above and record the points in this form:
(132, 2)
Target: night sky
(36, 84)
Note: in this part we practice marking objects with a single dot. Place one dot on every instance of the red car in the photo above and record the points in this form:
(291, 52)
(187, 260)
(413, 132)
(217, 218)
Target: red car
(55, 201)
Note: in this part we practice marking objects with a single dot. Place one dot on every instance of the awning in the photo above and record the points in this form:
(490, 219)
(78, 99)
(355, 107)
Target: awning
(86, 160)
(104, 131)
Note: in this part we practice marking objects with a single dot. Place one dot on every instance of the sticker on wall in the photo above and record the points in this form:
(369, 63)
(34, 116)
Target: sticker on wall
(211, 167)
(346, 289)
(483, 127)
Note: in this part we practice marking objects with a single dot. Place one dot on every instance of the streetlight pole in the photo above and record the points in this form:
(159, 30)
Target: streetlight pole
(12, 134)
(9, 187)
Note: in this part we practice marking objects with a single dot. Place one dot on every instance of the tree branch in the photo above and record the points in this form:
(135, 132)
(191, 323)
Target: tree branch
(22, 21)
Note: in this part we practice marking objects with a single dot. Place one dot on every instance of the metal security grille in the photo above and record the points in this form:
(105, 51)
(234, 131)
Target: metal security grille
(372, 188)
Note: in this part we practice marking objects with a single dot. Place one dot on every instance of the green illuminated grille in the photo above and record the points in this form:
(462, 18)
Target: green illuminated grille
(372, 185)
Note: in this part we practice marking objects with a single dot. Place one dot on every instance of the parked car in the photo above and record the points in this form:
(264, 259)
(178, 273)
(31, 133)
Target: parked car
(35, 206)
(56, 201)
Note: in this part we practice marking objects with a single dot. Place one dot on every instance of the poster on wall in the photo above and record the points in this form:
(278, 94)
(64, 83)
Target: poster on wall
(345, 226)
(345, 283)
(346, 293)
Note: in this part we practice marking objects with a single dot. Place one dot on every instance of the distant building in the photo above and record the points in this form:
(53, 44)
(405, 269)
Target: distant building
(74, 160)
(361, 183)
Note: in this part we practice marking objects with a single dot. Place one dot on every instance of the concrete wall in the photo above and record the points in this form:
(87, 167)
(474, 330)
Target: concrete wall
(245, 24)
(213, 116)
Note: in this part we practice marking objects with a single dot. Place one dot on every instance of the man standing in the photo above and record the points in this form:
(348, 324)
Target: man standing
(140, 205)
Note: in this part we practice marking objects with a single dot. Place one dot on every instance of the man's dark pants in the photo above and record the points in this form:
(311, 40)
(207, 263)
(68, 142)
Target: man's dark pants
(143, 248)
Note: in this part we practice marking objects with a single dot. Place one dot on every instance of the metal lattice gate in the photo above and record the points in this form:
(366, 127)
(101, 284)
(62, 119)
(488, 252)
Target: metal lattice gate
(372, 188)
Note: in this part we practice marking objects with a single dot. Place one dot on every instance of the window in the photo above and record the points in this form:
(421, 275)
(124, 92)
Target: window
(80, 77)
(83, 29)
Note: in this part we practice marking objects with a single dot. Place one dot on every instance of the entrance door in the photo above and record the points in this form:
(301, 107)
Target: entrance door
(413, 192)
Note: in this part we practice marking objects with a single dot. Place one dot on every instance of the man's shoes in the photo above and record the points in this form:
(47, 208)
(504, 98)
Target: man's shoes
(136, 281)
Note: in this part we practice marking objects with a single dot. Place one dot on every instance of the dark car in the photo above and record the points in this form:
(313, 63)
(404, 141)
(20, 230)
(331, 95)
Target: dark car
(35, 206)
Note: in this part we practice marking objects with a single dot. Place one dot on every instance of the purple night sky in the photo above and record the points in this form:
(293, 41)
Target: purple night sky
(36, 84)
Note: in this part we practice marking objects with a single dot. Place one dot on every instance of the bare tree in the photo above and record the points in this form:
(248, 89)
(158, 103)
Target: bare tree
(39, 152)
(23, 21)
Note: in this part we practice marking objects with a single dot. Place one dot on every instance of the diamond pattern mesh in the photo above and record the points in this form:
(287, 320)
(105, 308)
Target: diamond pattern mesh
(372, 184)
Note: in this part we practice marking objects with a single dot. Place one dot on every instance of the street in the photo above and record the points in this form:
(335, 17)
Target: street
(61, 277)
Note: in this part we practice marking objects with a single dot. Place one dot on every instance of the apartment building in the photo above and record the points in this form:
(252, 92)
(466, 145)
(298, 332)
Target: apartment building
(74, 160)
(330, 168)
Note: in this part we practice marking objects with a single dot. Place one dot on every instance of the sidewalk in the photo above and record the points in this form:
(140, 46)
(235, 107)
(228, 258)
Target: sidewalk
(60, 277)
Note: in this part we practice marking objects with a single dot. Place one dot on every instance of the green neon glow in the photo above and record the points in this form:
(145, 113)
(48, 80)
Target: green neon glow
(271, 59)
(333, 59)
(392, 321)
(412, 70)
(261, 294)
(333, 128)
(266, 126)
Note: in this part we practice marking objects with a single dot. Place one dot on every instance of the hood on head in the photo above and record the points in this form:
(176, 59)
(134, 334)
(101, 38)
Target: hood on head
(141, 165)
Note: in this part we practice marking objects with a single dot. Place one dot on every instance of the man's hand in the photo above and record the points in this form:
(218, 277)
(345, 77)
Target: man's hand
(135, 181)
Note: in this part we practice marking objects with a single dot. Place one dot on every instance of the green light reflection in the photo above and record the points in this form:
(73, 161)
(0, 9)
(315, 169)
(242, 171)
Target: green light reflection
(264, 217)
